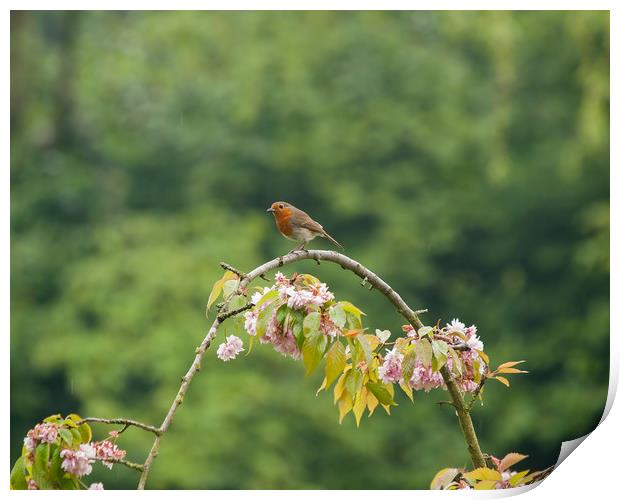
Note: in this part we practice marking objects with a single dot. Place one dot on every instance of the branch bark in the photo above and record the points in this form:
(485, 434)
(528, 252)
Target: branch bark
(121, 421)
(369, 277)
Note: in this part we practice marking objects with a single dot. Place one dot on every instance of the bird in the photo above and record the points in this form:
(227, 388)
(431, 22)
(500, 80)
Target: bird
(297, 225)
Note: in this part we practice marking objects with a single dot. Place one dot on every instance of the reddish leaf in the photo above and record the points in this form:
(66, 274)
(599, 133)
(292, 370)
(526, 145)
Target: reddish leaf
(509, 460)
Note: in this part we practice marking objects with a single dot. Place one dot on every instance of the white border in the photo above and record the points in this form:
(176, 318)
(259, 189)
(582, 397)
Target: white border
(590, 471)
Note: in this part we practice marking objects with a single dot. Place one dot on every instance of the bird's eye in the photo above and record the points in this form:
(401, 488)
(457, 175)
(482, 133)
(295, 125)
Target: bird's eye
(281, 207)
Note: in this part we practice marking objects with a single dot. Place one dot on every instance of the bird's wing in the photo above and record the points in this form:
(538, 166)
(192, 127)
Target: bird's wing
(302, 219)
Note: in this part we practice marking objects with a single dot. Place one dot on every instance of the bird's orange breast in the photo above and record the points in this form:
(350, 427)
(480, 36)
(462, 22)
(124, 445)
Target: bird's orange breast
(283, 221)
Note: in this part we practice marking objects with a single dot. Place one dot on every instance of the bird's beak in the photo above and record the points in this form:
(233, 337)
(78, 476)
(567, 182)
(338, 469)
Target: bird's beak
(270, 209)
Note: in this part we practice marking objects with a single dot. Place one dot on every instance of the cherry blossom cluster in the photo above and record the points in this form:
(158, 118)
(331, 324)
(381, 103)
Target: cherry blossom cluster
(77, 461)
(423, 376)
(297, 296)
(42, 433)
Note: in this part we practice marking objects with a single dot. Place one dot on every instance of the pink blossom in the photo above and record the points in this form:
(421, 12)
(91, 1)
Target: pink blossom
(78, 462)
(424, 378)
(463, 485)
(96, 486)
(30, 443)
(320, 294)
(45, 433)
(256, 296)
(455, 326)
(228, 350)
(328, 327)
(251, 317)
(281, 280)
(286, 344)
(32, 485)
(390, 370)
(297, 299)
(107, 450)
(466, 385)
(474, 342)
(282, 341)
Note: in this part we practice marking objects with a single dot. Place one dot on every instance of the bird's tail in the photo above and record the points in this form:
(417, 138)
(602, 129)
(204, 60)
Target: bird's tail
(325, 235)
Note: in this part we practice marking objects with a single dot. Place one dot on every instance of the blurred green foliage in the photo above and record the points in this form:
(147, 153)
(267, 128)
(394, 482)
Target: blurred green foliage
(464, 157)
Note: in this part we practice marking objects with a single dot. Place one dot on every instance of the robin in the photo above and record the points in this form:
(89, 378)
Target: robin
(297, 225)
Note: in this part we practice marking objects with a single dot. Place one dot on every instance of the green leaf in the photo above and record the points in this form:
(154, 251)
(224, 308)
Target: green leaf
(483, 355)
(365, 350)
(217, 288)
(55, 471)
(68, 482)
(345, 405)
(311, 352)
(40, 466)
(338, 315)
(425, 330)
(440, 354)
(86, 434)
(443, 478)
(339, 387)
(312, 322)
(408, 364)
(457, 365)
(382, 335)
(381, 393)
(77, 436)
(517, 479)
(18, 475)
(354, 381)
(485, 484)
(335, 361)
(263, 319)
(424, 352)
(66, 435)
(360, 405)
(282, 313)
(350, 308)
(298, 333)
(229, 288)
(483, 474)
(236, 302)
(273, 294)
(53, 419)
(406, 389)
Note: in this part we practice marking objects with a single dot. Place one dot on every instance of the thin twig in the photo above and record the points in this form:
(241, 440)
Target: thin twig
(478, 390)
(126, 463)
(232, 269)
(121, 421)
(229, 314)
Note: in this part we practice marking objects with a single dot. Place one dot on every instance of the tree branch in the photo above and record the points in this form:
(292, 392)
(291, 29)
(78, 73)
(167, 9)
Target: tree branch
(126, 463)
(369, 277)
(121, 421)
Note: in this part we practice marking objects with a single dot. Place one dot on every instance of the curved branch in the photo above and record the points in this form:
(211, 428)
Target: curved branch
(346, 263)
(369, 277)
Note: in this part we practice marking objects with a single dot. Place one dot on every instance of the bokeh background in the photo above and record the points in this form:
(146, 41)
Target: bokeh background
(462, 156)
